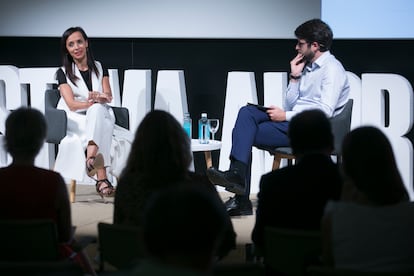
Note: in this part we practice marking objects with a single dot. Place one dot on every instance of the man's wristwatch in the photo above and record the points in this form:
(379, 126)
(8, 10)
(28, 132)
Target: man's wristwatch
(295, 77)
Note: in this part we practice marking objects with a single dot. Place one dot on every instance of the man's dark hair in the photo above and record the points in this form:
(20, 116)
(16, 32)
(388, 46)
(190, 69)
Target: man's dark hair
(310, 131)
(315, 30)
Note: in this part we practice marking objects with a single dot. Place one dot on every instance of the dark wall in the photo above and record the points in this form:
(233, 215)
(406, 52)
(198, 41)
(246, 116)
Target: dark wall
(206, 61)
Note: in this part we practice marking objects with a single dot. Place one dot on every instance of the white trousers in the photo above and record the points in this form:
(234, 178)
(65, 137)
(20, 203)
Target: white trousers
(96, 124)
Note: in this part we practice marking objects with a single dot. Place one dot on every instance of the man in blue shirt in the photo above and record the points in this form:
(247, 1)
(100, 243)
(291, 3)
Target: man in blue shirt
(317, 81)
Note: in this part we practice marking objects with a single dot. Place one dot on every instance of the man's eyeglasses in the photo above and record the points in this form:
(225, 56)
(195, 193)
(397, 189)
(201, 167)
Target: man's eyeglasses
(300, 44)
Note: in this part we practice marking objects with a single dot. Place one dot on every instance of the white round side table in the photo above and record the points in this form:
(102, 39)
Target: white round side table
(196, 146)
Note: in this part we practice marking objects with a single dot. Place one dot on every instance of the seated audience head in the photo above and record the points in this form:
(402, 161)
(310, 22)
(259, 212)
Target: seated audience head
(369, 165)
(183, 226)
(25, 132)
(309, 132)
(161, 148)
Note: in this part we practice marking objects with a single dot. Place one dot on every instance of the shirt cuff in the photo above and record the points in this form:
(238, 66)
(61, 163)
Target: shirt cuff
(293, 85)
(289, 115)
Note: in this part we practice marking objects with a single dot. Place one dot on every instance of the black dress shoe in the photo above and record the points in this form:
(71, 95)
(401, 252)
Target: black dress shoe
(231, 180)
(237, 207)
(231, 203)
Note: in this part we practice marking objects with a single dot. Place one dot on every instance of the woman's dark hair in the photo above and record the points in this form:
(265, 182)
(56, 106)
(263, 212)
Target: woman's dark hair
(67, 59)
(315, 30)
(368, 160)
(25, 132)
(161, 150)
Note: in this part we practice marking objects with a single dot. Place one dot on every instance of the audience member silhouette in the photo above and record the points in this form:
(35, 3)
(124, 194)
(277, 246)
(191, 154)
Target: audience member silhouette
(32, 192)
(371, 228)
(3, 116)
(160, 157)
(295, 196)
(182, 228)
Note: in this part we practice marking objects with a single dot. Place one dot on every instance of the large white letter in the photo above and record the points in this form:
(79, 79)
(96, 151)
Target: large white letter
(136, 95)
(11, 97)
(275, 84)
(114, 83)
(39, 80)
(391, 92)
(241, 89)
(355, 94)
(16, 94)
(170, 94)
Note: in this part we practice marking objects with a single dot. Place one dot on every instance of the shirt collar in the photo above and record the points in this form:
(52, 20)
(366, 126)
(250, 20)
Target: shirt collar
(319, 62)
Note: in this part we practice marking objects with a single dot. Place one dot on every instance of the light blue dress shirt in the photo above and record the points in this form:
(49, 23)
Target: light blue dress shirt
(323, 85)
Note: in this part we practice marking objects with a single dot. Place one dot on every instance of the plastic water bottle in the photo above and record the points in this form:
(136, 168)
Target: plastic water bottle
(187, 124)
(203, 131)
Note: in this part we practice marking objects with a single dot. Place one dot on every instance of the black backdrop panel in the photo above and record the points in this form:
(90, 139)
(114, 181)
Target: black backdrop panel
(206, 62)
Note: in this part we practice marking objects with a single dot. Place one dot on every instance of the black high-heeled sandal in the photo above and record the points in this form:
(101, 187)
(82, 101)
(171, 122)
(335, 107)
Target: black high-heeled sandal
(93, 167)
(107, 191)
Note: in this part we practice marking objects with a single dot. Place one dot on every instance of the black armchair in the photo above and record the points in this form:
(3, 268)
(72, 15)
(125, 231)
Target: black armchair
(341, 125)
(56, 120)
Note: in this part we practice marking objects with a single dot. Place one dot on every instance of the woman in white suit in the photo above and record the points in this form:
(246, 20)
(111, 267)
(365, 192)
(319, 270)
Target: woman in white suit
(85, 90)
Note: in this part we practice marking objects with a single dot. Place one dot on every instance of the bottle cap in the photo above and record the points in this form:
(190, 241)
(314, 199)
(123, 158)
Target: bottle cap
(204, 114)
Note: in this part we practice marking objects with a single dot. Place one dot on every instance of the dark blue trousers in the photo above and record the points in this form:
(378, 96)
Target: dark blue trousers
(254, 128)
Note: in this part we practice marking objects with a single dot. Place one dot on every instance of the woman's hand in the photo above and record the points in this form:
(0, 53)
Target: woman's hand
(97, 97)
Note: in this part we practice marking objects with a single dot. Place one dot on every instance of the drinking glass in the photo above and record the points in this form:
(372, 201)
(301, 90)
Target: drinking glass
(213, 125)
